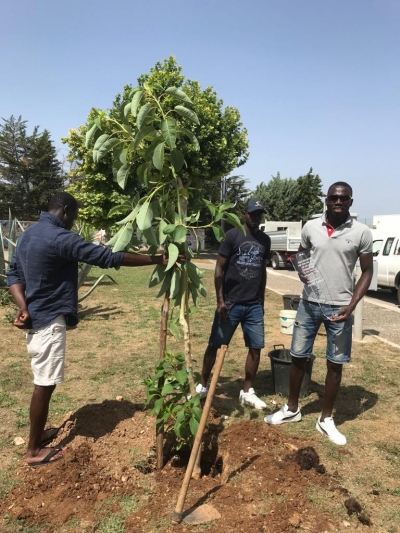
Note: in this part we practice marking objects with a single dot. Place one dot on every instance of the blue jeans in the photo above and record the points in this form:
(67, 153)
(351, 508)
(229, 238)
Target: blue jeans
(310, 316)
(250, 317)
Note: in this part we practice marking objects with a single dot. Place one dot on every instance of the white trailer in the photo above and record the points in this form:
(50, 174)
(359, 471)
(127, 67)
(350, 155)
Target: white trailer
(383, 225)
(285, 240)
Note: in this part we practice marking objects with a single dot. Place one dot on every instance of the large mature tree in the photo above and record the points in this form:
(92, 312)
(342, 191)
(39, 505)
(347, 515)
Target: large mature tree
(289, 199)
(29, 169)
(220, 134)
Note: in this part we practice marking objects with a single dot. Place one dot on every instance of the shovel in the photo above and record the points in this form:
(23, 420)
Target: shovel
(199, 515)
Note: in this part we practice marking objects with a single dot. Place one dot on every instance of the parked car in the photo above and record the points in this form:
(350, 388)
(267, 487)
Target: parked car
(386, 251)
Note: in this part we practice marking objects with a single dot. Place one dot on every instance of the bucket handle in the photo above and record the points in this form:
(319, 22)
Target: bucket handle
(276, 345)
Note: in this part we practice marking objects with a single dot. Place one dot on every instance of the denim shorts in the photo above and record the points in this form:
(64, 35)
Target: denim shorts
(250, 317)
(309, 318)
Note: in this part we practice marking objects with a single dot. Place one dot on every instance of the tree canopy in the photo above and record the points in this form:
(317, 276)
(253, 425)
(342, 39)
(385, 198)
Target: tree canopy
(30, 172)
(221, 137)
(290, 199)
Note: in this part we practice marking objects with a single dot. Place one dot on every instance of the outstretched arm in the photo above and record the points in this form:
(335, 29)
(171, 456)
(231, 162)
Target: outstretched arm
(134, 260)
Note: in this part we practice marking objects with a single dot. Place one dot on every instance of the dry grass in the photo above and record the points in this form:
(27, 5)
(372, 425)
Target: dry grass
(116, 345)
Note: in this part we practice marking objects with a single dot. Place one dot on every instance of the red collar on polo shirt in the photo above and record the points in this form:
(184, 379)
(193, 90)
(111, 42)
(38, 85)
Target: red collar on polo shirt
(330, 229)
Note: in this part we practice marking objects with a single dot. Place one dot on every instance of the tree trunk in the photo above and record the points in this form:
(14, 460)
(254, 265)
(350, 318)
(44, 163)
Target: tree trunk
(163, 346)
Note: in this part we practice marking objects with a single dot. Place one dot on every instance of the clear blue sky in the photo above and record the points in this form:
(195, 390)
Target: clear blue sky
(317, 82)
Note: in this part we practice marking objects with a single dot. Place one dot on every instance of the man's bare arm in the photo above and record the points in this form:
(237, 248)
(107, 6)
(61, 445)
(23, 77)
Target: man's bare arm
(18, 293)
(219, 277)
(367, 269)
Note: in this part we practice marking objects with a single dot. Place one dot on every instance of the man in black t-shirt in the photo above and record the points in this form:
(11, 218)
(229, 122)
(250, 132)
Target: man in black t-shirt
(240, 280)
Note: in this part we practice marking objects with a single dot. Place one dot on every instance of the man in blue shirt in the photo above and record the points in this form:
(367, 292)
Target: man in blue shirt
(43, 280)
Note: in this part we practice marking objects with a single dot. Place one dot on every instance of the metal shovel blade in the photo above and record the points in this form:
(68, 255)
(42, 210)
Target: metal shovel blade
(201, 514)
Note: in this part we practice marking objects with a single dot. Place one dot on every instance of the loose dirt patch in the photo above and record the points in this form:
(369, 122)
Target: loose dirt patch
(257, 477)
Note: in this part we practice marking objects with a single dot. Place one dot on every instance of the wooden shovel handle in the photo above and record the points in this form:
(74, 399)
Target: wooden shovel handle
(177, 515)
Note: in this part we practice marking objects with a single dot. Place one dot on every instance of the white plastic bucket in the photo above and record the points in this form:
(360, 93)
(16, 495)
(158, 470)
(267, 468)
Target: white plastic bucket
(287, 317)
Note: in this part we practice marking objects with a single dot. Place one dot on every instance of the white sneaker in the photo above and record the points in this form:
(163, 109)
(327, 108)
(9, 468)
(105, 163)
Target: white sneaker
(202, 391)
(282, 416)
(328, 428)
(251, 399)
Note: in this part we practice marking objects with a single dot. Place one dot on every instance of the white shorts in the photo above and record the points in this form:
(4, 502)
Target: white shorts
(46, 346)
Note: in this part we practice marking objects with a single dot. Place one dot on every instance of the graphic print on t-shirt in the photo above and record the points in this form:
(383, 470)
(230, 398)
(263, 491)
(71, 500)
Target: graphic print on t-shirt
(249, 259)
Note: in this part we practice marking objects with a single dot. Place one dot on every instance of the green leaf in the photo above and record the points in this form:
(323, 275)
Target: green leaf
(235, 221)
(143, 112)
(192, 137)
(145, 216)
(98, 123)
(193, 425)
(127, 109)
(167, 389)
(124, 238)
(122, 175)
(174, 330)
(158, 157)
(169, 229)
(193, 275)
(161, 234)
(166, 284)
(158, 86)
(187, 113)
(175, 282)
(143, 173)
(180, 233)
(181, 376)
(168, 130)
(173, 254)
(157, 276)
(158, 406)
(218, 232)
(149, 151)
(135, 102)
(120, 209)
(89, 135)
(178, 94)
(147, 131)
(212, 208)
(103, 145)
(195, 295)
(131, 217)
(123, 156)
(177, 159)
(225, 206)
(150, 236)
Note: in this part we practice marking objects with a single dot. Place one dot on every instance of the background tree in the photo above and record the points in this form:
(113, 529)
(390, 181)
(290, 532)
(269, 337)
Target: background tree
(30, 172)
(289, 199)
(310, 194)
(219, 132)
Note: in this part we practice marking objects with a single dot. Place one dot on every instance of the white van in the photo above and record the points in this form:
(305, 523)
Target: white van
(386, 251)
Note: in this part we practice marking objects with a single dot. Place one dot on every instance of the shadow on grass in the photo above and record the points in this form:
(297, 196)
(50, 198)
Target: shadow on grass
(102, 312)
(352, 400)
(96, 420)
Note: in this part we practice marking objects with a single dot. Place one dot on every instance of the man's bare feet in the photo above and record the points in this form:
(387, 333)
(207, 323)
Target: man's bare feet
(44, 456)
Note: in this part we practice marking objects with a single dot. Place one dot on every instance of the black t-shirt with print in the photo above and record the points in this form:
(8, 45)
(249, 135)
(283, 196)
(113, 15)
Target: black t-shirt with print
(243, 274)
